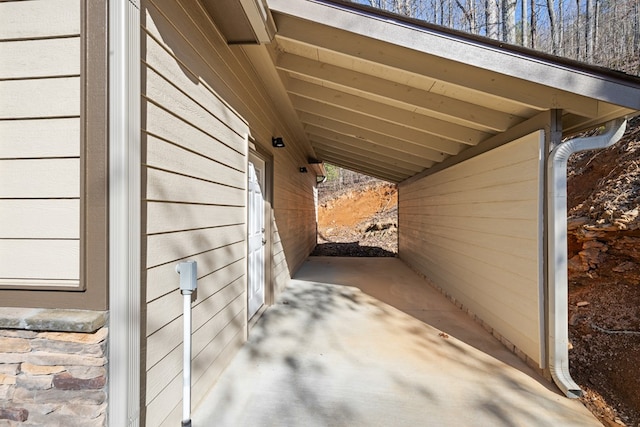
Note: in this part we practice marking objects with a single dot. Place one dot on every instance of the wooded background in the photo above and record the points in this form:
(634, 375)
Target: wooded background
(600, 32)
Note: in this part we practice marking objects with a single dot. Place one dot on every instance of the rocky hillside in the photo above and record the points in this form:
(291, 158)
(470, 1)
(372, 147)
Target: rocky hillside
(604, 277)
(604, 204)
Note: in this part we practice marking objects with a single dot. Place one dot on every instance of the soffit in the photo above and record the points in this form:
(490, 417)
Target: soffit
(390, 98)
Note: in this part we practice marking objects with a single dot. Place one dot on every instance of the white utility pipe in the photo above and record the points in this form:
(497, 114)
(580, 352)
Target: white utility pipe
(557, 238)
(188, 272)
(186, 358)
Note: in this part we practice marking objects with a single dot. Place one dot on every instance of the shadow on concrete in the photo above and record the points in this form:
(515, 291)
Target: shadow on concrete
(387, 350)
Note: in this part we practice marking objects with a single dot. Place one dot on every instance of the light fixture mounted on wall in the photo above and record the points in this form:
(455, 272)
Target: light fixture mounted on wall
(277, 142)
(303, 169)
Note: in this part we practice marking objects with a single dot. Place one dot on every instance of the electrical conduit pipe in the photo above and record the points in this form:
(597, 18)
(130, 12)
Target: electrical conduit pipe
(557, 238)
(188, 272)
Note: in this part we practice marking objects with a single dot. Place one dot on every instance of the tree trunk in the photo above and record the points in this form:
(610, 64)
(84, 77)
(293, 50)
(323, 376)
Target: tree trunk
(577, 30)
(509, 21)
(636, 35)
(553, 26)
(561, 24)
(473, 16)
(491, 11)
(404, 7)
(469, 12)
(595, 32)
(524, 31)
(588, 30)
(636, 29)
(533, 27)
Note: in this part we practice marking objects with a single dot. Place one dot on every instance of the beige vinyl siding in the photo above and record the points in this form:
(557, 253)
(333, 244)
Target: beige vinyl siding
(295, 221)
(40, 97)
(200, 98)
(473, 230)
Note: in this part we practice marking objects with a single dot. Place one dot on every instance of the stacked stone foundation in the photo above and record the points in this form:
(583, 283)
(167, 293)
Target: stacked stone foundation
(53, 378)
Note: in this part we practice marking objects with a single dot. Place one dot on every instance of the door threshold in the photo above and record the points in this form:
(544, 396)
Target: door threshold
(254, 319)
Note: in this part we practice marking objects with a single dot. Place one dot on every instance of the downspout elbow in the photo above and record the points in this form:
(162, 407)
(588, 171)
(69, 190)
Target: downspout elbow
(557, 238)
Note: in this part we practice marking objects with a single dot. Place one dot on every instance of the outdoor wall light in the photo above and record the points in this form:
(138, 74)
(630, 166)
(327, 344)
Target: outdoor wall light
(277, 142)
(303, 169)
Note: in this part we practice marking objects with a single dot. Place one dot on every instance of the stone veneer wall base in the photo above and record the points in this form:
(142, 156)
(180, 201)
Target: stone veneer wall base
(53, 367)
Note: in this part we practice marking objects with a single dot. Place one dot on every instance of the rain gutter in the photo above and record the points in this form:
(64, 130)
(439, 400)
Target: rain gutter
(557, 238)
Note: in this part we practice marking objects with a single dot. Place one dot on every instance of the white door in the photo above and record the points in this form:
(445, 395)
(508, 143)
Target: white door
(256, 235)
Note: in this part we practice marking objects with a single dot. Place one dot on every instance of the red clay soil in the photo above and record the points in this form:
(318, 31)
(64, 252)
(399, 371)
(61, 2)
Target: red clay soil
(361, 221)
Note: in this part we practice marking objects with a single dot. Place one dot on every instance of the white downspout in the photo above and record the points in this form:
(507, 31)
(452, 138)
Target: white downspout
(557, 238)
(124, 213)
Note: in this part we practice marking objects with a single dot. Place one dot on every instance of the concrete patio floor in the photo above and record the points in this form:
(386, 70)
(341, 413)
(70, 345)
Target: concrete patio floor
(367, 342)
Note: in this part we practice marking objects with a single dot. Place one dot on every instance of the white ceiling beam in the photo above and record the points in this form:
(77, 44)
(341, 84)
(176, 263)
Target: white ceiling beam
(381, 161)
(389, 113)
(363, 121)
(360, 137)
(407, 97)
(374, 171)
(374, 150)
(332, 156)
(456, 69)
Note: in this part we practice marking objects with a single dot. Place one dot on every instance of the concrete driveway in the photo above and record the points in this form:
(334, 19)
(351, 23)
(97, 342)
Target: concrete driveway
(367, 342)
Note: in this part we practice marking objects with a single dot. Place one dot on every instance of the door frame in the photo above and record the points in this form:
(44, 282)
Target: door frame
(267, 158)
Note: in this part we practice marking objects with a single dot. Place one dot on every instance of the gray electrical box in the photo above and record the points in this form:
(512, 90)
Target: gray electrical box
(188, 272)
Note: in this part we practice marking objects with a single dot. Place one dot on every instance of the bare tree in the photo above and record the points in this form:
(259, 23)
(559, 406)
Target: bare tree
(404, 7)
(524, 32)
(561, 25)
(577, 30)
(469, 12)
(636, 30)
(605, 32)
(533, 28)
(491, 17)
(588, 30)
(553, 26)
(509, 21)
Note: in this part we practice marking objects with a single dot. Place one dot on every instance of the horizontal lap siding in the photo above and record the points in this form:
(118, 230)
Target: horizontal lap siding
(40, 142)
(212, 63)
(195, 192)
(295, 218)
(473, 229)
(200, 97)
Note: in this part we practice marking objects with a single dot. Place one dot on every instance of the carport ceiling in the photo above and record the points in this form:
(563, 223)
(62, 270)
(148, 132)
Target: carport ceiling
(391, 97)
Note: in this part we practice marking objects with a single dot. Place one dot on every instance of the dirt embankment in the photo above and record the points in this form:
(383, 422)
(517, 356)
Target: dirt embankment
(604, 278)
(359, 221)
